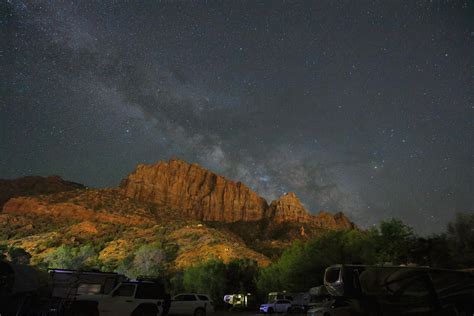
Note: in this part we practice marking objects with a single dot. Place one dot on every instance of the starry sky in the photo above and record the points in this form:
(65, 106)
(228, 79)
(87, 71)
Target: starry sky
(364, 107)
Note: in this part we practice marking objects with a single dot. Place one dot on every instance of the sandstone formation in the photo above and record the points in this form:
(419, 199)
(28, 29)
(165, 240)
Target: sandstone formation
(34, 185)
(289, 208)
(195, 191)
(202, 195)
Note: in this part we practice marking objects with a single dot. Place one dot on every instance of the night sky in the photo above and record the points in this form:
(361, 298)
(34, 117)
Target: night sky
(357, 106)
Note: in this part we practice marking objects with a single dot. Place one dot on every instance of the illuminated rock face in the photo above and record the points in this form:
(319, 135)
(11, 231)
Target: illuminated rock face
(195, 191)
(203, 195)
(289, 208)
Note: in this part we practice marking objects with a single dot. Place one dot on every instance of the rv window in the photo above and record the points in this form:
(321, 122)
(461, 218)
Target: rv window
(88, 289)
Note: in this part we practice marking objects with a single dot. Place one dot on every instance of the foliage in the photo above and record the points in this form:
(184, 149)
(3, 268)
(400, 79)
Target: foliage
(147, 261)
(15, 255)
(3, 251)
(302, 265)
(217, 279)
(394, 241)
(19, 255)
(209, 277)
(78, 258)
(241, 274)
(460, 237)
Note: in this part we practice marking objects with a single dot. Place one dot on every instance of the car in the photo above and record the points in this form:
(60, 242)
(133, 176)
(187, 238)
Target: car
(278, 306)
(191, 304)
(129, 298)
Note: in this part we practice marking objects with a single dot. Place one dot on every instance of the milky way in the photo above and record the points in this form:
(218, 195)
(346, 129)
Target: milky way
(362, 107)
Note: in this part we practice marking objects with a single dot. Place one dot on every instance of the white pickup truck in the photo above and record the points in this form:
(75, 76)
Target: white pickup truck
(191, 304)
(131, 298)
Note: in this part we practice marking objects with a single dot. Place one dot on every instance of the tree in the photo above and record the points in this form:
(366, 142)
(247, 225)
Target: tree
(209, 277)
(19, 255)
(394, 241)
(147, 261)
(460, 235)
(302, 266)
(241, 275)
(3, 251)
(77, 258)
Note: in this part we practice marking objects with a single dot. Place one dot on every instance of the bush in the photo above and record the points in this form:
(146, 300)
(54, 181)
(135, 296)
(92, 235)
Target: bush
(148, 261)
(77, 258)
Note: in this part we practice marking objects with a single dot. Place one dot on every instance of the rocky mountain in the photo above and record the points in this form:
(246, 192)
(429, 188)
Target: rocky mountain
(288, 208)
(191, 212)
(194, 191)
(34, 185)
(203, 195)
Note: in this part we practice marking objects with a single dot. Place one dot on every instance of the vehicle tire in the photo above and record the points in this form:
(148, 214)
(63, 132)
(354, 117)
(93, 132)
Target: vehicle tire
(200, 312)
(146, 310)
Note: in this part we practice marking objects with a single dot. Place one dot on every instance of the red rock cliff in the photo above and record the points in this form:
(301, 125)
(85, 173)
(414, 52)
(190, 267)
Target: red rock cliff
(289, 208)
(195, 191)
(203, 195)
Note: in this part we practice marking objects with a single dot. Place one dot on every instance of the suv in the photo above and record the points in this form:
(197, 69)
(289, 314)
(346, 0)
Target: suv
(131, 298)
(278, 306)
(191, 304)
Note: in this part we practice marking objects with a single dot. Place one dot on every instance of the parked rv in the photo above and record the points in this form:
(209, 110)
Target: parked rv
(396, 290)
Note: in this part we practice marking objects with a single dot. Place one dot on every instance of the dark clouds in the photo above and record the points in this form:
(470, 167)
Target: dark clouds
(358, 107)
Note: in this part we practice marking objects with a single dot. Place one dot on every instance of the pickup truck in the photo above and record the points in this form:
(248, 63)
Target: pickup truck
(130, 298)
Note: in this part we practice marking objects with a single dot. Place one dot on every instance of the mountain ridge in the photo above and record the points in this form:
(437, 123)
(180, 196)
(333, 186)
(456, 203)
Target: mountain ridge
(207, 196)
(185, 207)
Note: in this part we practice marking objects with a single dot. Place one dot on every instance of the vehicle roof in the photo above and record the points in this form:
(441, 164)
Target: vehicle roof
(82, 272)
(427, 268)
(192, 294)
(139, 282)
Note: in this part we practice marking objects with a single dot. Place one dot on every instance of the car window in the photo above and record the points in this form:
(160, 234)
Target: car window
(185, 297)
(147, 291)
(189, 297)
(125, 290)
(203, 298)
